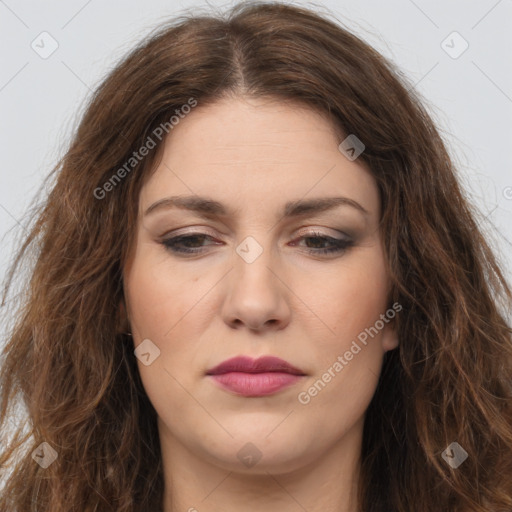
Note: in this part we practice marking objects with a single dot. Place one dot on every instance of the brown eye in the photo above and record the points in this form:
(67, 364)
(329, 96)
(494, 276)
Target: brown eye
(335, 244)
(188, 244)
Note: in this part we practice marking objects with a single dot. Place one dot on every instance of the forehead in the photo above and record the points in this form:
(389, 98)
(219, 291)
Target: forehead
(257, 149)
(265, 128)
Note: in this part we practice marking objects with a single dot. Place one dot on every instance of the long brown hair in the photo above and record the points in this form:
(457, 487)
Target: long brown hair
(69, 364)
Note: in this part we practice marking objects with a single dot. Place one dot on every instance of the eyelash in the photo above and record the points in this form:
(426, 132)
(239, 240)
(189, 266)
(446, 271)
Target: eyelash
(340, 245)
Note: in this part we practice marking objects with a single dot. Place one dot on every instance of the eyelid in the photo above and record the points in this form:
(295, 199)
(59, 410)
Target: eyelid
(306, 232)
(200, 230)
(302, 231)
(322, 232)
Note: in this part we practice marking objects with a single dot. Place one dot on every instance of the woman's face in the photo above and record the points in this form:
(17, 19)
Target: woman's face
(255, 281)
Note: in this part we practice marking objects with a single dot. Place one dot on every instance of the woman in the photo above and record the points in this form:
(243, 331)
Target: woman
(258, 286)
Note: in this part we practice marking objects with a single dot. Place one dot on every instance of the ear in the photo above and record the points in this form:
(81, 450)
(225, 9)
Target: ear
(389, 338)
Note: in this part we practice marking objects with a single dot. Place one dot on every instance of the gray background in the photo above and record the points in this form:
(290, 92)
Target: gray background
(470, 97)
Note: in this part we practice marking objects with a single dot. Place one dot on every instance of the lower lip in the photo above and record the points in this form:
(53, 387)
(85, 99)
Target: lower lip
(255, 384)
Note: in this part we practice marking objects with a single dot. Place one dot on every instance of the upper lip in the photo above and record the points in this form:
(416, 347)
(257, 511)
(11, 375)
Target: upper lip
(248, 365)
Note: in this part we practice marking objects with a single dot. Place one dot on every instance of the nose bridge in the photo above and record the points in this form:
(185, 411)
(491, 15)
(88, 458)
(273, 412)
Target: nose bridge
(253, 260)
(256, 294)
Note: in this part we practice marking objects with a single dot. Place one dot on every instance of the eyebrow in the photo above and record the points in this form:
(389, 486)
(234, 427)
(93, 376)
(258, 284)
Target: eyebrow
(208, 207)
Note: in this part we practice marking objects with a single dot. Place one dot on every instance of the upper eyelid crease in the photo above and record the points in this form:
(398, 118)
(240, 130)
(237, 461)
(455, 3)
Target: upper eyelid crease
(207, 207)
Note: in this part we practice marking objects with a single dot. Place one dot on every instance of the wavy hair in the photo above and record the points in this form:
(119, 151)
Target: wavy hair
(69, 365)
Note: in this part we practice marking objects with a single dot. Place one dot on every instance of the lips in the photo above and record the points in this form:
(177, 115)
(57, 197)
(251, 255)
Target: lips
(255, 377)
(262, 365)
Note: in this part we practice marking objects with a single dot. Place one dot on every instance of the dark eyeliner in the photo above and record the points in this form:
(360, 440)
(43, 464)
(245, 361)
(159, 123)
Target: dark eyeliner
(171, 244)
(337, 245)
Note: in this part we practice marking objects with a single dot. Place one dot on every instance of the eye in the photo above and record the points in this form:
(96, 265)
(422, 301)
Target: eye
(337, 245)
(176, 244)
(192, 243)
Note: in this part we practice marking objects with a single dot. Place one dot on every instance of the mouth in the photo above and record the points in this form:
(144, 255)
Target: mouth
(252, 378)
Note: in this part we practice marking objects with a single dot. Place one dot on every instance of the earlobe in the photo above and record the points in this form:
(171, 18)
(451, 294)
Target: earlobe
(389, 339)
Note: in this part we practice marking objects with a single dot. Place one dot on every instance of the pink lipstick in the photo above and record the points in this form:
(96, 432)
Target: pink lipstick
(255, 377)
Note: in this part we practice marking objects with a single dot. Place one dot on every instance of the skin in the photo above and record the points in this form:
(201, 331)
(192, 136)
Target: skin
(254, 155)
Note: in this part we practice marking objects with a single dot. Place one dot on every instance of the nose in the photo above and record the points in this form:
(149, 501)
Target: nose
(257, 296)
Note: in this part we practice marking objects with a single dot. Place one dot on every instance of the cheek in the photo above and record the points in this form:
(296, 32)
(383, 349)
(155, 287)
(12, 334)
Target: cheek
(348, 362)
(170, 307)
(161, 305)
(350, 297)
(349, 354)
(159, 295)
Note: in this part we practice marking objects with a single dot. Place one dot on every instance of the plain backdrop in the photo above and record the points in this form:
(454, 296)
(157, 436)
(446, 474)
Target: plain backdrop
(456, 53)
